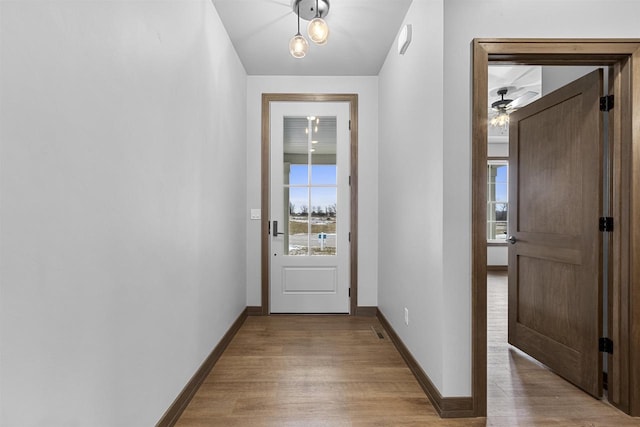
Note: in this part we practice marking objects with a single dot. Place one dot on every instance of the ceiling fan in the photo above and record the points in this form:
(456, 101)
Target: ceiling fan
(503, 107)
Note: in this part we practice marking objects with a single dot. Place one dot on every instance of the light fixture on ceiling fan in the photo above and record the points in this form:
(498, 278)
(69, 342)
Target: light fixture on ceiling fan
(318, 30)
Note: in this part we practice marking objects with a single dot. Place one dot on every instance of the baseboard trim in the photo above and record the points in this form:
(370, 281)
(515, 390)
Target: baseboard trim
(171, 415)
(254, 310)
(447, 407)
(367, 311)
(497, 268)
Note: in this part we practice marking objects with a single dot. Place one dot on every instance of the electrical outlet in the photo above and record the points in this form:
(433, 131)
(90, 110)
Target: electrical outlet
(406, 316)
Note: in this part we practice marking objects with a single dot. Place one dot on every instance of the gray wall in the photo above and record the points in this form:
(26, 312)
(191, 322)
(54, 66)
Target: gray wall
(122, 184)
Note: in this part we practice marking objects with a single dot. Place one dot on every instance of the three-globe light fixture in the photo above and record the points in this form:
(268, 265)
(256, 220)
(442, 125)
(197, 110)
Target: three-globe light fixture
(313, 11)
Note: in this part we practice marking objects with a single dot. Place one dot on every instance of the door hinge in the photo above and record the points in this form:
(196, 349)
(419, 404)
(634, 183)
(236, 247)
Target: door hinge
(349, 292)
(606, 223)
(606, 103)
(349, 124)
(349, 236)
(605, 345)
(349, 180)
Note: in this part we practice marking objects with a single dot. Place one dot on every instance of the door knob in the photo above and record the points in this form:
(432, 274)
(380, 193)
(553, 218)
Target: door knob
(512, 240)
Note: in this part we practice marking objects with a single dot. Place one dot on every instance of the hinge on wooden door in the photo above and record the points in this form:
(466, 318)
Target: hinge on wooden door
(349, 292)
(606, 103)
(349, 236)
(349, 124)
(349, 180)
(605, 345)
(606, 223)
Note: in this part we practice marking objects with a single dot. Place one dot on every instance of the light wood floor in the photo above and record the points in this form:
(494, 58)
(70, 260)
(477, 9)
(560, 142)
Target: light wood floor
(336, 371)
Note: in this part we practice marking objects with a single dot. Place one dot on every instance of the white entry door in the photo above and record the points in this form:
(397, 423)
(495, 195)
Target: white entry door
(309, 212)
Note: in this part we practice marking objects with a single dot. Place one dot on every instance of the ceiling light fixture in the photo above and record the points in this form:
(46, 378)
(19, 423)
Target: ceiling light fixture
(298, 46)
(318, 30)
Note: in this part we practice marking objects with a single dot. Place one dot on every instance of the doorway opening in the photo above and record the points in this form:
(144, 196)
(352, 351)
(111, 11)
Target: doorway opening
(618, 55)
(554, 315)
(316, 230)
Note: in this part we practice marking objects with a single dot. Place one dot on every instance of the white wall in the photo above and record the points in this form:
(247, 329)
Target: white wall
(497, 255)
(367, 90)
(411, 189)
(122, 179)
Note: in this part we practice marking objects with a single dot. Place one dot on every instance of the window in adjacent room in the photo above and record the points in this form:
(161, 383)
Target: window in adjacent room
(497, 200)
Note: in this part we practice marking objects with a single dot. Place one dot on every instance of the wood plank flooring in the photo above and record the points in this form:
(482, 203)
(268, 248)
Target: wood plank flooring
(309, 371)
(336, 371)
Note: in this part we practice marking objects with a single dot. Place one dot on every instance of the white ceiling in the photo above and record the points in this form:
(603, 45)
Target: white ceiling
(361, 34)
(517, 79)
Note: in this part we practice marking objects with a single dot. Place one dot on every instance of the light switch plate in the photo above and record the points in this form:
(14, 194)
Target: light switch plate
(256, 214)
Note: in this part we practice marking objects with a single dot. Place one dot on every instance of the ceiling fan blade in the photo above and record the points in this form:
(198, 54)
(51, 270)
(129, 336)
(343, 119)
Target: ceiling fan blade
(522, 100)
(527, 71)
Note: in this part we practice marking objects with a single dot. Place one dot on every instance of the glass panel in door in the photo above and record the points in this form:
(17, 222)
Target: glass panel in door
(310, 185)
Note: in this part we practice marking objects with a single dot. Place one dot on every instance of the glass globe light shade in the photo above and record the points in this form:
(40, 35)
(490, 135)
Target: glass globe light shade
(298, 46)
(500, 121)
(318, 31)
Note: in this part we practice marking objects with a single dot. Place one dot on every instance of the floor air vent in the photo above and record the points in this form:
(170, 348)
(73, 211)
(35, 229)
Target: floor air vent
(378, 333)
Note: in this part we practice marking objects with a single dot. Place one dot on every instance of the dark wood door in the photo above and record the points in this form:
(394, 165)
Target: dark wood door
(555, 263)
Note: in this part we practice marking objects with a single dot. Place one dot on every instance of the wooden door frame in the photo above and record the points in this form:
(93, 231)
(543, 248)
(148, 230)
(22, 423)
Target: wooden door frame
(267, 99)
(623, 58)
